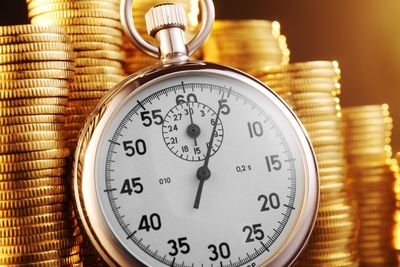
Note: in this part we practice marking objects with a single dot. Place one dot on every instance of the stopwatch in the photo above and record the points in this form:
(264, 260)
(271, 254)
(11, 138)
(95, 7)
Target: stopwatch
(193, 164)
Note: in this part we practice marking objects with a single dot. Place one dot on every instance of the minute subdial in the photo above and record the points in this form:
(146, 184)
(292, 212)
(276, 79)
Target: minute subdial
(187, 128)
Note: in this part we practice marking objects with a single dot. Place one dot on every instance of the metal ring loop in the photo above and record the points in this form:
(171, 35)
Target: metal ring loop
(207, 20)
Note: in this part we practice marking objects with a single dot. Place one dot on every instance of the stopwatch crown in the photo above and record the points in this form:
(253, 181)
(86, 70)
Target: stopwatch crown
(165, 16)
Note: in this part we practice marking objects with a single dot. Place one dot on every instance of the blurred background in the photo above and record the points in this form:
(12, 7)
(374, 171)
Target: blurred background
(363, 36)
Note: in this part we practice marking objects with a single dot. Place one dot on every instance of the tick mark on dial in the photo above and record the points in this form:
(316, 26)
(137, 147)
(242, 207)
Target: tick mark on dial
(113, 142)
(131, 235)
(264, 246)
(287, 206)
(110, 190)
(141, 105)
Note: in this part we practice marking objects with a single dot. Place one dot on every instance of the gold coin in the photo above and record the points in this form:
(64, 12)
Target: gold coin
(73, 134)
(37, 127)
(38, 74)
(47, 218)
(34, 83)
(104, 38)
(83, 110)
(314, 103)
(31, 110)
(35, 229)
(367, 108)
(31, 136)
(77, 13)
(298, 66)
(40, 65)
(341, 242)
(33, 92)
(33, 11)
(329, 148)
(305, 84)
(327, 140)
(31, 119)
(23, 184)
(102, 54)
(35, 3)
(41, 247)
(32, 146)
(72, 143)
(36, 56)
(89, 78)
(36, 174)
(32, 192)
(323, 110)
(335, 124)
(99, 70)
(85, 46)
(76, 118)
(28, 156)
(26, 102)
(90, 87)
(73, 260)
(29, 28)
(87, 61)
(106, 22)
(32, 47)
(27, 240)
(320, 118)
(34, 38)
(90, 29)
(310, 73)
(323, 132)
(39, 257)
(33, 202)
(32, 165)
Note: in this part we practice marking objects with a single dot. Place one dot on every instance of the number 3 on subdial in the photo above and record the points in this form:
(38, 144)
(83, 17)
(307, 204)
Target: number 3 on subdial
(187, 129)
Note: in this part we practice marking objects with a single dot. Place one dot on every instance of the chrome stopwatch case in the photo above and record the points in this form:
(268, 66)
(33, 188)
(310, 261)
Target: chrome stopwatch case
(195, 164)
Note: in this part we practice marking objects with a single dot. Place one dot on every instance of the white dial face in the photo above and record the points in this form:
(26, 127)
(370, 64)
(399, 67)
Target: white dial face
(200, 170)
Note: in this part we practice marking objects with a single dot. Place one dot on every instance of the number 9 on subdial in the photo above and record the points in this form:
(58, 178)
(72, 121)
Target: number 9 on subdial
(187, 131)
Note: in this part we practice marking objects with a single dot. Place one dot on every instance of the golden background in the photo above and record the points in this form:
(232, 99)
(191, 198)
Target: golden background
(363, 35)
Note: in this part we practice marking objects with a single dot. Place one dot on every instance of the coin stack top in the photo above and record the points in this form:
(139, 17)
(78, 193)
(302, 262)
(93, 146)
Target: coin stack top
(312, 89)
(246, 44)
(37, 223)
(137, 60)
(367, 133)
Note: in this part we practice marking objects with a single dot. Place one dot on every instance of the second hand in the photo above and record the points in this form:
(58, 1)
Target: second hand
(204, 173)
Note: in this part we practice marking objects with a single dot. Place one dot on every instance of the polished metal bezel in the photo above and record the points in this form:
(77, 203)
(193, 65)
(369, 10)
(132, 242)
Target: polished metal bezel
(84, 189)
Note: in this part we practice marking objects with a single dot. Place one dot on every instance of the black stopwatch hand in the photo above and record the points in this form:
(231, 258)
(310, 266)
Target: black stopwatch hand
(203, 173)
(193, 130)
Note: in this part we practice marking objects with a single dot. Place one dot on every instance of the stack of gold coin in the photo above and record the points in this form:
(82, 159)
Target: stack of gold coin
(367, 131)
(37, 225)
(246, 44)
(137, 60)
(96, 33)
(312, 90)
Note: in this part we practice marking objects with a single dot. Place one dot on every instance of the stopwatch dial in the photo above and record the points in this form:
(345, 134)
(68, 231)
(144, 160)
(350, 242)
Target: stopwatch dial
(187, 128)
(229, 194)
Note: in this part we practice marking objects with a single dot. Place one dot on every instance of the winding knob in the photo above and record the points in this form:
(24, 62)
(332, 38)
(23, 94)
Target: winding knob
(165, 16)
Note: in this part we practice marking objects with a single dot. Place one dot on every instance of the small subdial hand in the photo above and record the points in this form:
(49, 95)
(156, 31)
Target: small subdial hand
(204, 173)
(193, 130)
